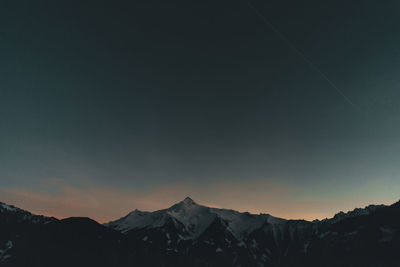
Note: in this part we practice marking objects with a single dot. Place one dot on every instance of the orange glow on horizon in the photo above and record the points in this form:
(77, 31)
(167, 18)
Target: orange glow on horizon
(104, 204)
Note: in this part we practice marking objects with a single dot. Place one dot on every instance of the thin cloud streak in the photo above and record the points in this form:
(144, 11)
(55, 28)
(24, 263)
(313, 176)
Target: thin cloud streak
(299, 53)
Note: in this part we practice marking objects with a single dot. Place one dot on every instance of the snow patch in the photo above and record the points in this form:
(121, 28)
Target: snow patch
(3, 255)
(264, 257)
(254, 243)
(324, 234)
(387, 234)
(194, 217)
(242, 223)
(208, 242)
(305, 247)
(242, 244)
(354, 213)
(7, 207)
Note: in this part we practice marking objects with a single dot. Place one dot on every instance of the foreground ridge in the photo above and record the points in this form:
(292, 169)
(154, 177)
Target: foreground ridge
(190, 234)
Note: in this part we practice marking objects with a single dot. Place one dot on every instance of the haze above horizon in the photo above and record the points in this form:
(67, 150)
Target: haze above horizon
(110, 106)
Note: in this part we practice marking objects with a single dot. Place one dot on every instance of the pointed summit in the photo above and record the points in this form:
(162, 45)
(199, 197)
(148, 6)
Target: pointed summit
(185, 204)
(188, 201)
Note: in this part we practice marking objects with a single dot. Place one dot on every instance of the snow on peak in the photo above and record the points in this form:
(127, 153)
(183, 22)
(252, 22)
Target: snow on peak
(7, 207)
(243, 223)
(195, 219)
(188, 201)
(134, 219)
(24, 215)
(185, 205)
(354, 213)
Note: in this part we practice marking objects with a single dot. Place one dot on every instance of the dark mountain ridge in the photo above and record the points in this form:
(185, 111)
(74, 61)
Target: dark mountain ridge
(188, 234)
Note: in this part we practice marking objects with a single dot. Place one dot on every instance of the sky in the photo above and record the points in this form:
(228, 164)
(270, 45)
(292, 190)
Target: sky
(283, 107)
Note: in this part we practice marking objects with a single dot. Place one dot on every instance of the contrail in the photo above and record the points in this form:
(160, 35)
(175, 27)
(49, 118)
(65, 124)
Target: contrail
(299, 53)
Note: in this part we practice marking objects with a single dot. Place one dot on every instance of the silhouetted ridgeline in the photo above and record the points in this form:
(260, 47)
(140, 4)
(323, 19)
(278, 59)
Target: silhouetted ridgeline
(188, 234)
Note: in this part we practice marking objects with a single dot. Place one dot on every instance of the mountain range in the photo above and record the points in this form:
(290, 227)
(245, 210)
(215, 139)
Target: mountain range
(189, 234)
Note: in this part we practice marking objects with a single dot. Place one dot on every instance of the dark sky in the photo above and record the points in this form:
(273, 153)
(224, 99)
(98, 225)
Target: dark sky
(146, 102)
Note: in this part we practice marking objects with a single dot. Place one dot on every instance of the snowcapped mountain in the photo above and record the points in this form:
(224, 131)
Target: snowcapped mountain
(192, 232)
(354, 213)
(189, 234)
(20, 215)
(195, 219)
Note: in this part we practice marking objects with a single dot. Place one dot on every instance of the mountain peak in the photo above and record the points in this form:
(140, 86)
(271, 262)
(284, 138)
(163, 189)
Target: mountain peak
(188, 201)
(185, 206)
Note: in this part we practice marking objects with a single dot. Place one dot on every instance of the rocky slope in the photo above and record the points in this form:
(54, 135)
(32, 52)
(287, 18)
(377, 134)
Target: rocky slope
(188, 234)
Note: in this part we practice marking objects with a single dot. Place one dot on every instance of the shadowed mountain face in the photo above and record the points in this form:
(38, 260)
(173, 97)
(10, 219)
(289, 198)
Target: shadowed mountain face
(188, 234)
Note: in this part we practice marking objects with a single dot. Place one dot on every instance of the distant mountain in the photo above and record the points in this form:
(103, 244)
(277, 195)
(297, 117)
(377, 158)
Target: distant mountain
(189, 234)
(194, 219)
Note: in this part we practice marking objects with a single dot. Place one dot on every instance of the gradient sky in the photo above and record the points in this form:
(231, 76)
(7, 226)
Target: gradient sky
(110, 106)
